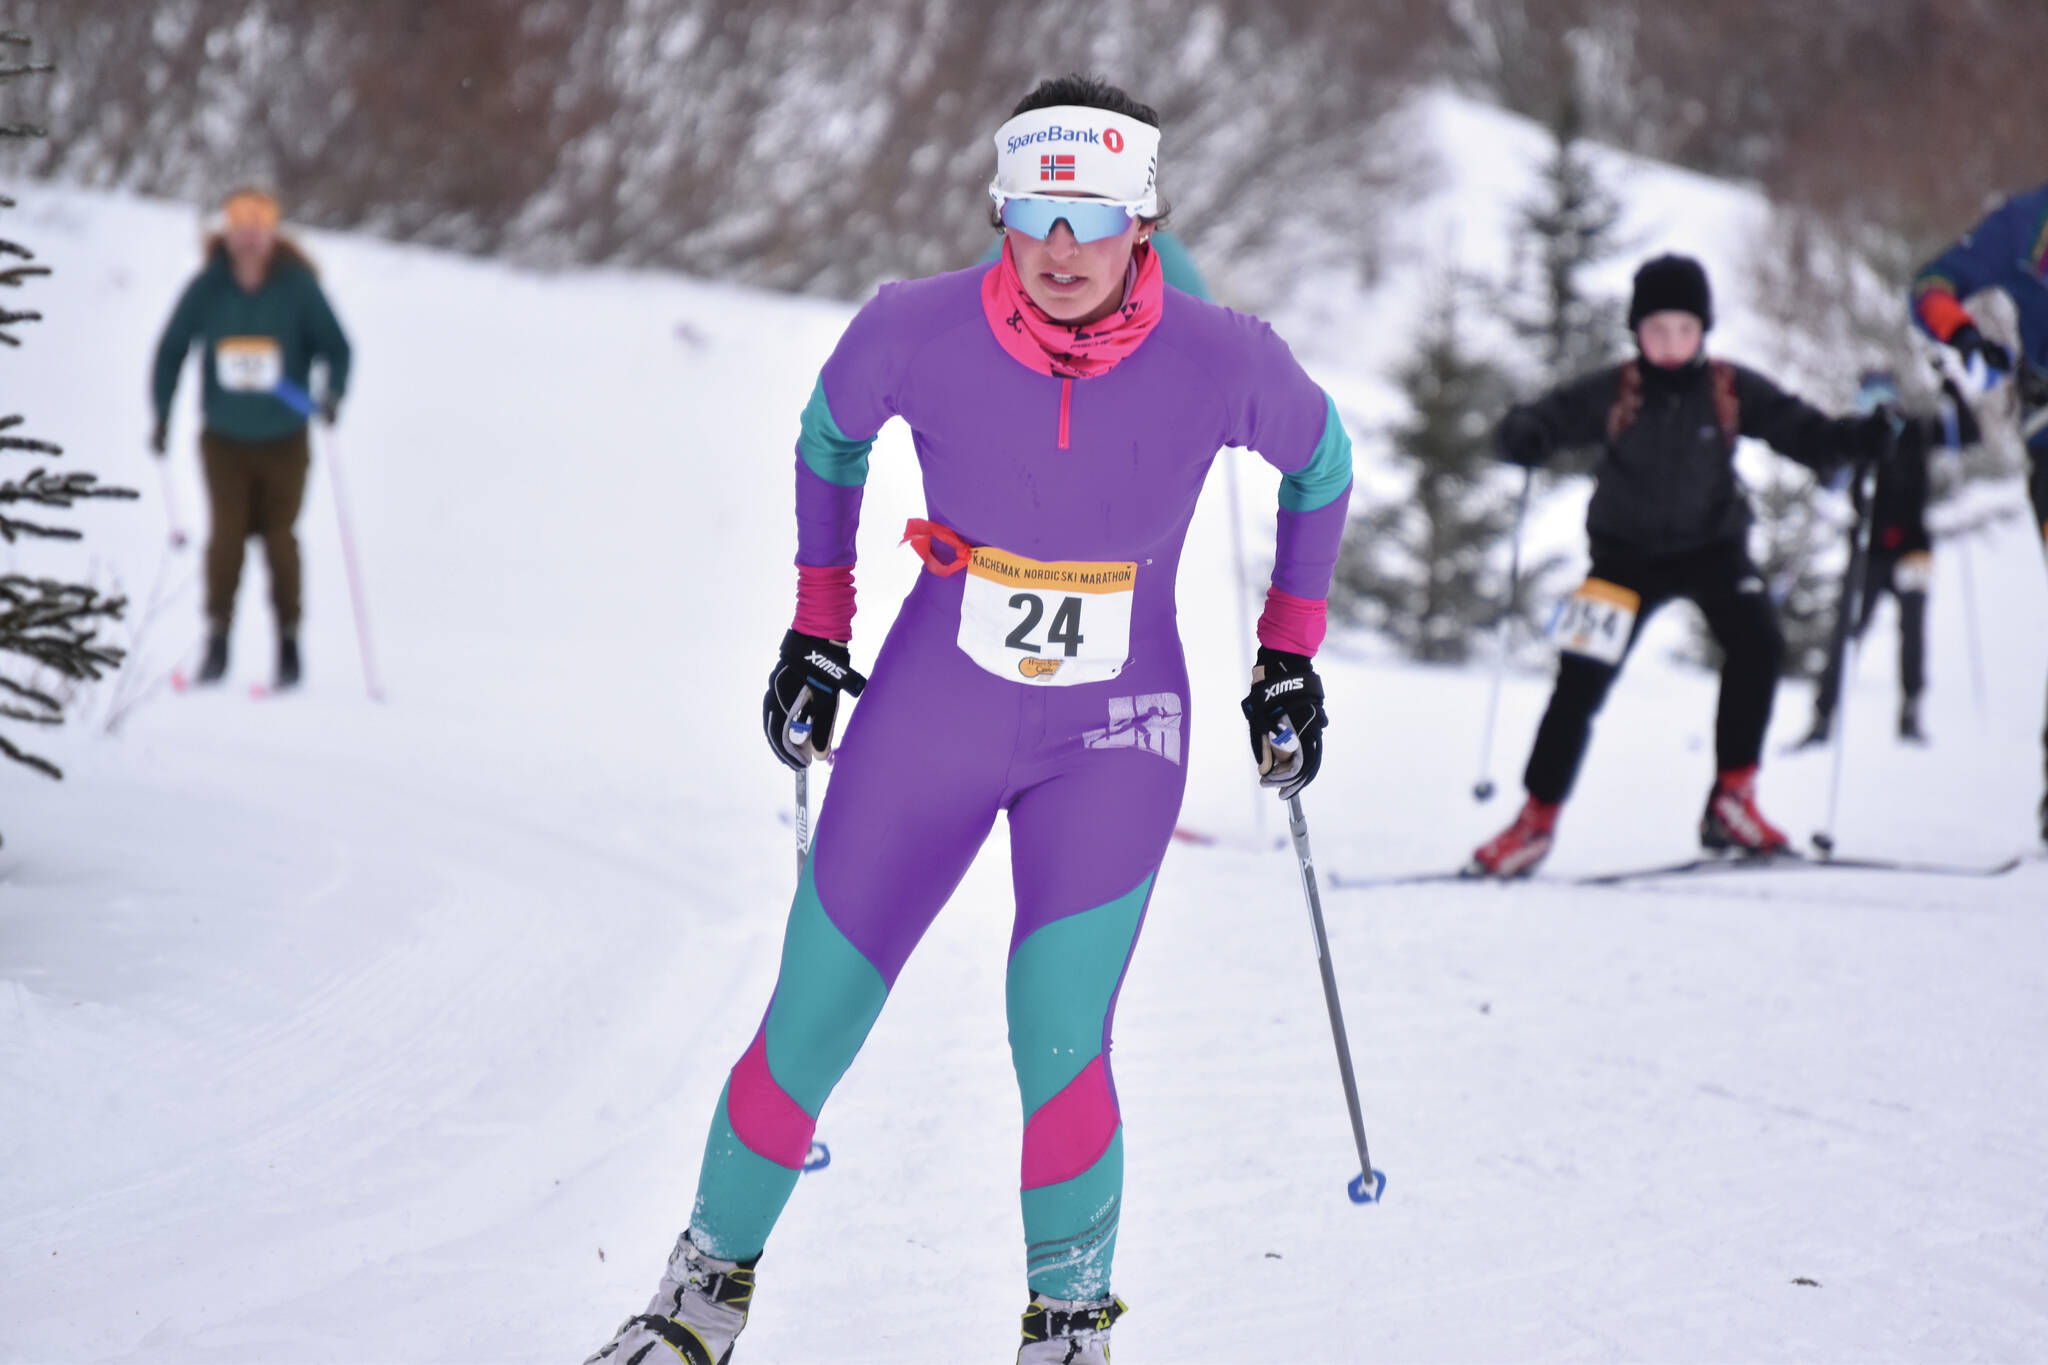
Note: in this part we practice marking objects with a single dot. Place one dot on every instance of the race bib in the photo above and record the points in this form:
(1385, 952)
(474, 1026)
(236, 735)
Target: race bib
(1056, 625)
(248, 364)
(1595, 622)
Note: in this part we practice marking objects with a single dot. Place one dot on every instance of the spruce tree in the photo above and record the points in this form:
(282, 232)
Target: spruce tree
(1568, 226)
(48, 628)
(1428, 569)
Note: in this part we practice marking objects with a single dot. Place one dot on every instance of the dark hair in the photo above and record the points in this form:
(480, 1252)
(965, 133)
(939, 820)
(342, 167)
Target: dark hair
(1086, 92)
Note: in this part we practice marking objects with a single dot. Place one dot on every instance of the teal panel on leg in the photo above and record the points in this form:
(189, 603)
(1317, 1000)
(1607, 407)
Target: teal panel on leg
(1061, 981)
(826, 999)
(1070, 1229)
(739, 1194)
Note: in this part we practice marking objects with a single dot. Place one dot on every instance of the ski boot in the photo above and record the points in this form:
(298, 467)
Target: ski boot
(1909, 721)
(1068, 1331)
(699, 1308)
(214, 666)
(1515, 851)
(1731, 820)
(287, 662)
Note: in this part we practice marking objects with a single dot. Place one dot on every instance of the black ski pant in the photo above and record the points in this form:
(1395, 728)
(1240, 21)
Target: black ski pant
(1729, 591)
(1881, 575)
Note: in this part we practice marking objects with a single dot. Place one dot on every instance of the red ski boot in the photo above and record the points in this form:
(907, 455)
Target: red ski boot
(1515, 851)
(1732, 821)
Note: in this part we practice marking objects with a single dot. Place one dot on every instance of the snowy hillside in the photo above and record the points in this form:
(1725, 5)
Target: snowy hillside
(332, 1031)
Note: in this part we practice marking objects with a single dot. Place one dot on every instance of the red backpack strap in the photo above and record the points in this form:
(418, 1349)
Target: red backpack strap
(1627, 403)
(1727, 402)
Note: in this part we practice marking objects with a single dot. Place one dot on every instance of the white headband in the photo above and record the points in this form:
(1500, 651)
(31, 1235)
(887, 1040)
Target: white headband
(1072, 149)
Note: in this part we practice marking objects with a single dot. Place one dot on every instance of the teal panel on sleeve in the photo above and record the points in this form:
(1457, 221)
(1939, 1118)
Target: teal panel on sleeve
(1327, 473)
(829, 452)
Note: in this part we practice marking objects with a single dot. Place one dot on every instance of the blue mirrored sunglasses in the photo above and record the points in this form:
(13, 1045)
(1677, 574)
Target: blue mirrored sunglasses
(1090, 220)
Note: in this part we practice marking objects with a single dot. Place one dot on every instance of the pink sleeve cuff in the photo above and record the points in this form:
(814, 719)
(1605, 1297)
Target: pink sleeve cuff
(824, 601)
(1294, 625)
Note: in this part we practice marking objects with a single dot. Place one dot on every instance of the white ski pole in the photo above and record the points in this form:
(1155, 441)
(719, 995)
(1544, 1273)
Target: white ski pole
(1482, 790)
(1970, 628)
(348, 559)
(1368, 1185)
(803, 818)
(176, 522)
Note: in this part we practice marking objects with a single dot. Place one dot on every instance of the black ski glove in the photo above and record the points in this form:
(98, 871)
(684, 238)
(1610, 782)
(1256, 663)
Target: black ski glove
(159, 438)
(1520, 440)
(802, 704)
(1968, 341)
(1287, 718)
(330, 409)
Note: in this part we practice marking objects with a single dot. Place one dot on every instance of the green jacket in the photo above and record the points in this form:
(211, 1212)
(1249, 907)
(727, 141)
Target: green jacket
(251, 342)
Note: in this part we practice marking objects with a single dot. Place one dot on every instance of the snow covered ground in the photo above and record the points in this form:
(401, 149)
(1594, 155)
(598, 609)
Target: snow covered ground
(332, 1031)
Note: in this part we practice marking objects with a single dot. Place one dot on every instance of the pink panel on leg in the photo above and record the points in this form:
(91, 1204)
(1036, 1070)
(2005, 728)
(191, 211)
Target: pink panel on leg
(1072, 1130)
(764, 1117)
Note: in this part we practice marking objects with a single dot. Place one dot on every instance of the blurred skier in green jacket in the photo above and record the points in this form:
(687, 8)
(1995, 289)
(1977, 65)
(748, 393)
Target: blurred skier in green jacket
(258, 311)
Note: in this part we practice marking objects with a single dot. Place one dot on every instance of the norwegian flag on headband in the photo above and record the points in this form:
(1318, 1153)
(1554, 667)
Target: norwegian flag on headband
(1056, 166)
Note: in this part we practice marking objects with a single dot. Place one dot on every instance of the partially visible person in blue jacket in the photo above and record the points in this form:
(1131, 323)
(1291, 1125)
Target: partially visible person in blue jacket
(2007, 250)
(258, 312)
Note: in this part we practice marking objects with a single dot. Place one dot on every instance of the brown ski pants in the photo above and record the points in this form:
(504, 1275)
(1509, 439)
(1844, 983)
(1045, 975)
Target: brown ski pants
(255, 488)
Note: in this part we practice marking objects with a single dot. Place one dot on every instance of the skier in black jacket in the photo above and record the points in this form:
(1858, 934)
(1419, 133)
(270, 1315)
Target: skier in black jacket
(1669, 518)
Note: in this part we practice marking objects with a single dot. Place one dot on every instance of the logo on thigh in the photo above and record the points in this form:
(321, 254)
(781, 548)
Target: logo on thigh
(1149, 721)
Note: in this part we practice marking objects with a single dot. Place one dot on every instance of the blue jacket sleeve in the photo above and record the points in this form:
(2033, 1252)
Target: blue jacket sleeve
(1973, 262)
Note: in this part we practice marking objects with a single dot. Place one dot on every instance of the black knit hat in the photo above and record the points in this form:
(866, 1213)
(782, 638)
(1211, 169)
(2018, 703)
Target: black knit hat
(1671, 283)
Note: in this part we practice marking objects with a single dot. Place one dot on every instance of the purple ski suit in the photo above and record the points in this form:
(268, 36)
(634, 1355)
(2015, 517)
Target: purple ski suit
(1090, 772)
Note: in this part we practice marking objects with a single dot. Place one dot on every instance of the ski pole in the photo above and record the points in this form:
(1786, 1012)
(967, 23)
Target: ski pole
(1970, 629)
(177, 523)
(1368, 1185)
(1846, 647)
(348, 560)
(803, 817)
(1482, 790)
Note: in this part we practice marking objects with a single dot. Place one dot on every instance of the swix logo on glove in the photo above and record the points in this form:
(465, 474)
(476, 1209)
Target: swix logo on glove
(1285, 685)
(836, 672)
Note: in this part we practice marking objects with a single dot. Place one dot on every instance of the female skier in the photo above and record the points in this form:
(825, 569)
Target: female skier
(258, 308)
(1065, 407)
(1668, 519)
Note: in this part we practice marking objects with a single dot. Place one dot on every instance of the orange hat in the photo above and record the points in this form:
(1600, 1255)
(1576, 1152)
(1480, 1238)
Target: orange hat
(251, 208)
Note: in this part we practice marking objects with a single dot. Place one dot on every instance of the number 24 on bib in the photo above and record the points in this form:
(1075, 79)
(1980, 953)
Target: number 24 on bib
(1056, 625)
(1596, 621)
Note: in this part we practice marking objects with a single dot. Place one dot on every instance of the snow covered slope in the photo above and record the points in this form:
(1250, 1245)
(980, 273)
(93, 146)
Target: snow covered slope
(340, 1032)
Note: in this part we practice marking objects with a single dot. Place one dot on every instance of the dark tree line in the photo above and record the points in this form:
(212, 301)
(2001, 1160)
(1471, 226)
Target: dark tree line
(813, 145)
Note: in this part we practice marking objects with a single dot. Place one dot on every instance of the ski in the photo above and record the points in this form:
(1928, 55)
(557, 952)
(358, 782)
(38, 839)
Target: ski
(1340, 882)
(1791, 859)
